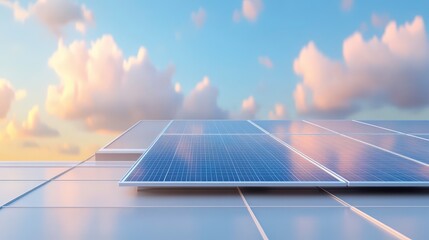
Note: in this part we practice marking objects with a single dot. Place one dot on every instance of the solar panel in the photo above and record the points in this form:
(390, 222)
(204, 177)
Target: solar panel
(360, 164)
(425, 136)
(409, 146)
(224, 160)
(350, 127)
(290, 127)
(211, 127)
(407, 126)
(241, 153)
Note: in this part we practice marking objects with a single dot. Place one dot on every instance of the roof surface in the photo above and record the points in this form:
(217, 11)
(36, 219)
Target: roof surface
(82, 200)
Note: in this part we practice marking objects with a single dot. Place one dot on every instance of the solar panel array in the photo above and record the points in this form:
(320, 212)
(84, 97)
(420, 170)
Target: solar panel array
(284, 153)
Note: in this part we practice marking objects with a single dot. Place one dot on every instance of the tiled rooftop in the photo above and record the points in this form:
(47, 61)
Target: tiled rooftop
(82, 200)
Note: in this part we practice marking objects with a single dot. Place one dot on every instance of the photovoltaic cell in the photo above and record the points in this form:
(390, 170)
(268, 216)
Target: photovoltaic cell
(211, 127)
(224, 160)
(290, 127)
(407, 126)
(360, 164)
(412, 147)
(350, 127)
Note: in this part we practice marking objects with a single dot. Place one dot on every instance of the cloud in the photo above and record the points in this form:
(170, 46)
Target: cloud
(55, 14)
(31, 127)
(347, 5)
(250, 10)
(106, 91)
(389, 71)
(69, 149)
(201, 103)
(266, 62)
(7, 95)
(199, 17)
(379, 20)
(249, 108)
(278, 113)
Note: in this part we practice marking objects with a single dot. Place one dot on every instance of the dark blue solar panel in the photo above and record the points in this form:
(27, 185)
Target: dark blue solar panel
(211, 127)
(409, 126)
(290, 127)
(412, 147)
(252, 159)
(357, 162)
(350, 127)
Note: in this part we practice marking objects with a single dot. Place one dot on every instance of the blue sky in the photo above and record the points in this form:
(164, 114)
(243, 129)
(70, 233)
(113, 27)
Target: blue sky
(225, 50)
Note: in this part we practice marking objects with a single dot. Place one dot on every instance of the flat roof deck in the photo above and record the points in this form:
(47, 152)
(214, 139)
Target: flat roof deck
(63, 200)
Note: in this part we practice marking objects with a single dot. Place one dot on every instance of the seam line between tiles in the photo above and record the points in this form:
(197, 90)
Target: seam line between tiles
(40, 185)
(255, 220)
(369, 218)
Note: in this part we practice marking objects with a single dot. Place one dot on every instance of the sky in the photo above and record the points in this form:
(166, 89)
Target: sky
(75, 74)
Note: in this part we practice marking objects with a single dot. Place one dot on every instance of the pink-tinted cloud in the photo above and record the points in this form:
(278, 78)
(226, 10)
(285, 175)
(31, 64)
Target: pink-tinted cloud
(199, 17)
(389, 71)
(31, 127)
(347, 5)
(266, 62)
(379, 20)
(250, 10)
(249, 108)
(107, 91)
(201, 103)
(278, 113)
(55, 14)
(7, 95)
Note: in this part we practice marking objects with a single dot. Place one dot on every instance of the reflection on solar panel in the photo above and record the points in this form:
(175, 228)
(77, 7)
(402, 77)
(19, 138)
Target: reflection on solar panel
(410, 126)
(290, 127)
(280, 153)
(412, 147)
(360, 164)
(346, 126)
(225, 160)
(212, 127)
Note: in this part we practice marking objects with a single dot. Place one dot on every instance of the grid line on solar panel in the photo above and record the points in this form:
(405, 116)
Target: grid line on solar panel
(409, 146)
(404, 126)
(211, 127)
(349, 127)
(226, 159)
(289, 127)
(357, 162)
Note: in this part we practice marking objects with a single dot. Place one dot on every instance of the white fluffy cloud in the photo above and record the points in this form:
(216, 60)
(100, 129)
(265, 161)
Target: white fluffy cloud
(106, 90)
(7, 95)
(109, 92)
(55, 14)
(199, 17)
(250, 10)
(31, 127)
(266, 62)
(201, 103)
(278, 113)
(249, 108)
(389, 71)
